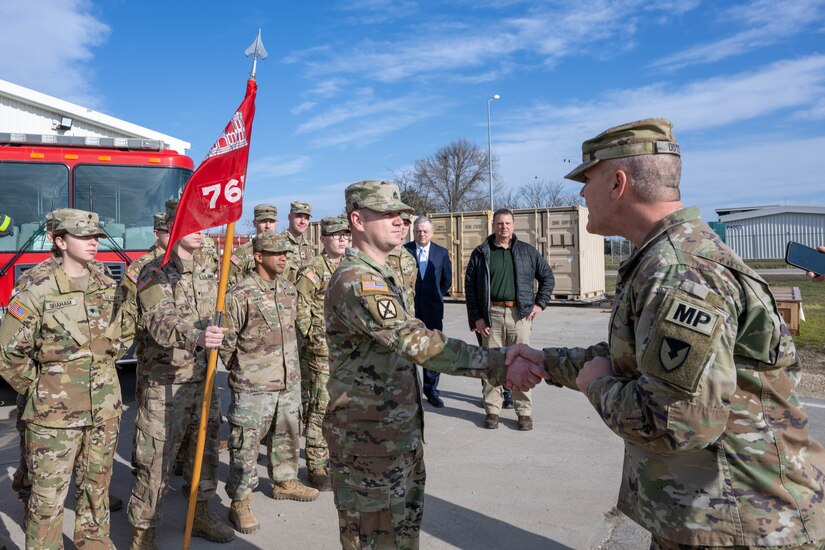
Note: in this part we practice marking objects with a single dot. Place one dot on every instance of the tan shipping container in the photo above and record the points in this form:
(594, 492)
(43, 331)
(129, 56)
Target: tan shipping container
(559, 234)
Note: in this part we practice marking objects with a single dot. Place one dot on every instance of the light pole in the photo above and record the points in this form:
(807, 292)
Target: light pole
(495, 97)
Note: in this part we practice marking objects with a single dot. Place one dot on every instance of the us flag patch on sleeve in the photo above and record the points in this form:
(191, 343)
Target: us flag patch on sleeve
(132, 275)
(235, 260)
(144, 283)
(374, 286)
(17, 310)
(312, 276)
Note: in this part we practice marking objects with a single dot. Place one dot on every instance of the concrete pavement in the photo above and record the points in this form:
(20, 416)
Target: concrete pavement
(553, 487)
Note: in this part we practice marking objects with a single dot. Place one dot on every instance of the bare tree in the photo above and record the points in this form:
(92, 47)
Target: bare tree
(511, 199)
(454, 176)
(412, 194)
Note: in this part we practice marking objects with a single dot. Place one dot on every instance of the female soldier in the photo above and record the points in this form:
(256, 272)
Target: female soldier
(58, 344)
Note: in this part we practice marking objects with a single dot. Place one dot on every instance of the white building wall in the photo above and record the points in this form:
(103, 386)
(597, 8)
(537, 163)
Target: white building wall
(18, 116)
(765, 237)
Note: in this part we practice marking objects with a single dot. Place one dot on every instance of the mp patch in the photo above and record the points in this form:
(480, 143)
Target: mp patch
(682, 340)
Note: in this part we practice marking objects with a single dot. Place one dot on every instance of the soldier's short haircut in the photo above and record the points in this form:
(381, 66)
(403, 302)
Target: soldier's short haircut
(654, 177)
(502, 212)
(422, 219)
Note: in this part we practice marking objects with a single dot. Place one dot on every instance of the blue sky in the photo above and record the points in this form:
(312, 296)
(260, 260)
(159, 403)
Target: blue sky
(359, 90)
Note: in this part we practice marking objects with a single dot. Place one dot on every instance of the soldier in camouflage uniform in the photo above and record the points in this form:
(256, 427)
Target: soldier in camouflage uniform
(699, 373)
(129, 282)
(302, 250)
(261, 354)
(176, 303)
(58, 345)
(374, 422)
(312, 284)
(241, 263)
(405, 265)
(20, 481)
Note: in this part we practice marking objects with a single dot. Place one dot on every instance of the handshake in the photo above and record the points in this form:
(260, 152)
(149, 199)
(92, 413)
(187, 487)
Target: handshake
(525, 367)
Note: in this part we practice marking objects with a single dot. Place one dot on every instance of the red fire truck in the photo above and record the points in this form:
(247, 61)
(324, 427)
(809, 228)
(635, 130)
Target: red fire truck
(124, 180)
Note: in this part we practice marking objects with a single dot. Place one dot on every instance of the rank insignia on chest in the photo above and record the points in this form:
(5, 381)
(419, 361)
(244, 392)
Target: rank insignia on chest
(672, 353)
(17, 310)
(386, 308)
(374, 286)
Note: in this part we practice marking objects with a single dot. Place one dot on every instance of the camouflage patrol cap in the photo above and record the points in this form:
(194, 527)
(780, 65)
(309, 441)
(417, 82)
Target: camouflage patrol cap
(78, 223)
(159, 220)
(266, 212)
(299, 207)
(270, 242)
(650, 136)
(380, 196)
(171, 209)
(53, 217)
(407, 217)
(334, 225)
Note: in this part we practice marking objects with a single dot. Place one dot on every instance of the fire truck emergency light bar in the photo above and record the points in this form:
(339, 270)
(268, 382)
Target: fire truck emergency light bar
(80, 141)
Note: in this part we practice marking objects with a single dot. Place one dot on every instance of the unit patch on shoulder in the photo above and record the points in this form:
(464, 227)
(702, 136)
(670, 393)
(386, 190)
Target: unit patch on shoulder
(386, 308)
(17, 310)
(374, 286)
(682, 341)
(312, 276)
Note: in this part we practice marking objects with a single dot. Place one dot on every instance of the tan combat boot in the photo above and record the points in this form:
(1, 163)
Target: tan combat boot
(208, 526)
(144, 539)
(320, 479)
(240, 514)
(292, 489)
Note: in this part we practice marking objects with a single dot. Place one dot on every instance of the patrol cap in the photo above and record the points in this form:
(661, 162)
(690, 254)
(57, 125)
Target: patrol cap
(334, 225)
(52, 218)
(377, 195)
(159, 220)
(77, 222)
(650, 136)
(171, 209)
(270, 242)
(299, 207)
(407, 217)
(266, 212)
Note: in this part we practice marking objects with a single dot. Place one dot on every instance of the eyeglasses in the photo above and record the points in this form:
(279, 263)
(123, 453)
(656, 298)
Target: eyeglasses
(341, 236)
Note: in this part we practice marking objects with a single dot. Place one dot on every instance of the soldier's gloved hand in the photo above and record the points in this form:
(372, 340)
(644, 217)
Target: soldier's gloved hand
(598, 367)
(211, 337)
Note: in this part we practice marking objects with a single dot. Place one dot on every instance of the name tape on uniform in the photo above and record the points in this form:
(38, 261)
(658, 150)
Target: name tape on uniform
(61, 304)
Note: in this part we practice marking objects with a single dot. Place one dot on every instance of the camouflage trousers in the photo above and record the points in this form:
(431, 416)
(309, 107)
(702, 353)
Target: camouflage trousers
(303, 362)
(317, 452)
(380, 499)
(657, 543)
(273, 416)
(53, 455)
(20, 482)
(167, 414)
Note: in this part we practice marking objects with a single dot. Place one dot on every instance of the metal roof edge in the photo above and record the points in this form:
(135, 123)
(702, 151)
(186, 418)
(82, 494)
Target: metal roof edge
(82, 113)
(771, 211)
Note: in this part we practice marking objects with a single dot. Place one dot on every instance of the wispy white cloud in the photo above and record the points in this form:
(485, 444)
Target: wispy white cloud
(58, 39)
(277, 166)
(377, 12)
(762, 23)
(364, 104)
(303, 107)
(367, 133)
(536, 140)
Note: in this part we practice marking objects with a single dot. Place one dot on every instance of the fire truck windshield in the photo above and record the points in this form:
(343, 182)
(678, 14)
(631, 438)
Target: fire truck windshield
(126, 197)
(27, 192)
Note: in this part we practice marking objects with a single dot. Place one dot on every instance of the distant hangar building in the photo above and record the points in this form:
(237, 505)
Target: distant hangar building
(762, 232)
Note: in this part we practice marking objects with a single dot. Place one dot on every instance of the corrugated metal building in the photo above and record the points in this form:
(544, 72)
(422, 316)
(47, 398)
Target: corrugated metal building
(763, 233)
(26, 111)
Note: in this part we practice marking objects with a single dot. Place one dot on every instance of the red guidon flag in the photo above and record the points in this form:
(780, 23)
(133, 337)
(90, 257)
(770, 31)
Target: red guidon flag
(213, 196)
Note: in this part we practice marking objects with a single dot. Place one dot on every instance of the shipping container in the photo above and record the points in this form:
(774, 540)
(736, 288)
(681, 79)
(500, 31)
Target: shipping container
(559, 234)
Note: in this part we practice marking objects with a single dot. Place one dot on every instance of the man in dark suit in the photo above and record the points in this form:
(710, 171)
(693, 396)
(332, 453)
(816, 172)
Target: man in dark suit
(435, 276)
